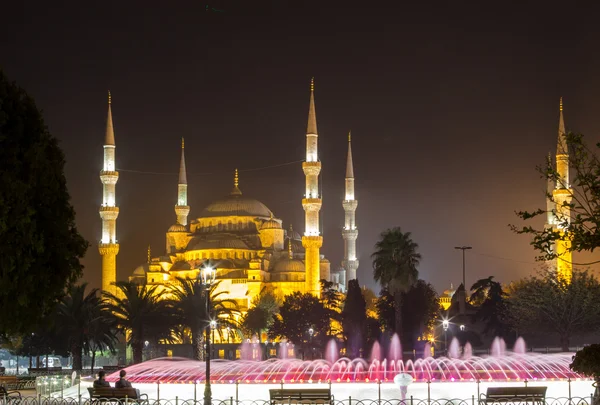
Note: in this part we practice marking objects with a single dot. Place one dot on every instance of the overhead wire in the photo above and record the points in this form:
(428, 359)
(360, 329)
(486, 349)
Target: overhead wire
(208, 173)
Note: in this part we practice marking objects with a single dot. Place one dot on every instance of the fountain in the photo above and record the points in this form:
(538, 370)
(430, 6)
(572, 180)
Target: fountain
(332, 352)
(454, 349)
(514, 367)
(467, 351)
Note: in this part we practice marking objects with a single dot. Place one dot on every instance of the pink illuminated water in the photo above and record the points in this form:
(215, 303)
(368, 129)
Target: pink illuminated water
(510, 366)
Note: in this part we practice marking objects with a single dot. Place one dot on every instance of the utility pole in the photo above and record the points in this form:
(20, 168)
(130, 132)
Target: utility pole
(463, 248)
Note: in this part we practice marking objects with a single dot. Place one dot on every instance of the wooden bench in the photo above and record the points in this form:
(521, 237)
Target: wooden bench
(8, 381)
(514, 395)
(301, 396)
(110, 394)
(11, 397)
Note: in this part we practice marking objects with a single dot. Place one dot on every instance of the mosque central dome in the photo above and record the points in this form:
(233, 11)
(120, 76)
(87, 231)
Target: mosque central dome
(235, 204)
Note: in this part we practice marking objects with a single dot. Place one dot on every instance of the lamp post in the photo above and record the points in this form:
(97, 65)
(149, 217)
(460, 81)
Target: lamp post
(463, 248)
(208, 274)
(311, 332)
(445, 325)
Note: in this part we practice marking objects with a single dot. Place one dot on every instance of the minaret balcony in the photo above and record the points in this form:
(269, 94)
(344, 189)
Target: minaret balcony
(108, 213)
(312, 204)
(349, 205)
(311, 168)
(108, 248)
(350, 234)
(109, 177)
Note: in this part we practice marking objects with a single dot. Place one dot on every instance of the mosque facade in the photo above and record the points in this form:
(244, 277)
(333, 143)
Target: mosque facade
(249, 246)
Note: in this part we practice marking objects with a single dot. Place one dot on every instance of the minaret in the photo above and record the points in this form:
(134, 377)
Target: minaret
(182, 208)
(350, 232)
(312, 239)
(108, 246)
(562, 195)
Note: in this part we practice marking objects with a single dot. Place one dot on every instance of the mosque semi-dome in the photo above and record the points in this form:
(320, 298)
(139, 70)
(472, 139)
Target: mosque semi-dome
(177, 228)
(271, 224)
(289, 265)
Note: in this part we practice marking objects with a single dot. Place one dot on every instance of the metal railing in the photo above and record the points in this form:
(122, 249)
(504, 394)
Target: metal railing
(40, 400)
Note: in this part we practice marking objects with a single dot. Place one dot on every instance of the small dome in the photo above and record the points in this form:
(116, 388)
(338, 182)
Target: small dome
(271, 224)
(140, 271)
(177, 228)
(289, 265)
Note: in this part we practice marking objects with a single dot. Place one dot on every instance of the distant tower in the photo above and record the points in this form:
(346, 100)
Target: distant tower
(312, 239)
(562, 195)
(108, 246)
(182, 208)
(350, 232)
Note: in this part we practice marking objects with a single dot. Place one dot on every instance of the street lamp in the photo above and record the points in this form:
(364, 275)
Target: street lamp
(311, 332)
(463, 248)
(208, 274)
(445, 325)
(462, 328)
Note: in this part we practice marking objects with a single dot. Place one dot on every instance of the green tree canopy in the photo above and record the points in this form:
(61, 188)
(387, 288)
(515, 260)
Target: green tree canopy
(395, 262)
(354, 320)
(420, 309)
(582, 225)
(490, 300)
(299, 313)
(189, 302)
(82, 323)
(547, 304)
(40, 247)
(140, 314)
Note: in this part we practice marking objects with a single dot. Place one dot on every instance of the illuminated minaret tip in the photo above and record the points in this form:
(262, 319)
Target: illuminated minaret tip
(182, 209)
(236, 182)
(350, 232)
(108, 246)
(312, 239)
(109, 139)
(562, 195)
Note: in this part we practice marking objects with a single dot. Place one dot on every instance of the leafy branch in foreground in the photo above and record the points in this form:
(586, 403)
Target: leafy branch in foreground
(580, 226)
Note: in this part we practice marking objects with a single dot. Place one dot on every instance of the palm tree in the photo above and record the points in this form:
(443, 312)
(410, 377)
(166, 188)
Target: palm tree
(77, 317)
(395, 262)
(189, 301)
(102, 334)
(140, 314)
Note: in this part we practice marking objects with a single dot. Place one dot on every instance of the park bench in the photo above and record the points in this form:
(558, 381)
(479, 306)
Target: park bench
(10, 397)
(8, 381)
(301, 396)
(110, 394)
(514, 395)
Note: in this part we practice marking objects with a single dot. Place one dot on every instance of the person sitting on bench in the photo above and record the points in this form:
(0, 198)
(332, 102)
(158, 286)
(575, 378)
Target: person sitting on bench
(101, 382)
(122, 383)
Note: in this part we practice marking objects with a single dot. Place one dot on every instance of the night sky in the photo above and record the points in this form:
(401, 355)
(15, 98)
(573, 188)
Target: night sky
(451, 106)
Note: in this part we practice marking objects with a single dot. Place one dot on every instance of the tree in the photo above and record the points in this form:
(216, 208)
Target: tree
(490, 299)
(139, 314)
(40, 247)
(548, 304)
(331, 299)
(354, 320)
(298, 314)
(587, 362)
(385, 311)
(581, 227)
(420, 310)
(80, 320)
(395, 262)
(260, 316)
(189, 301)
